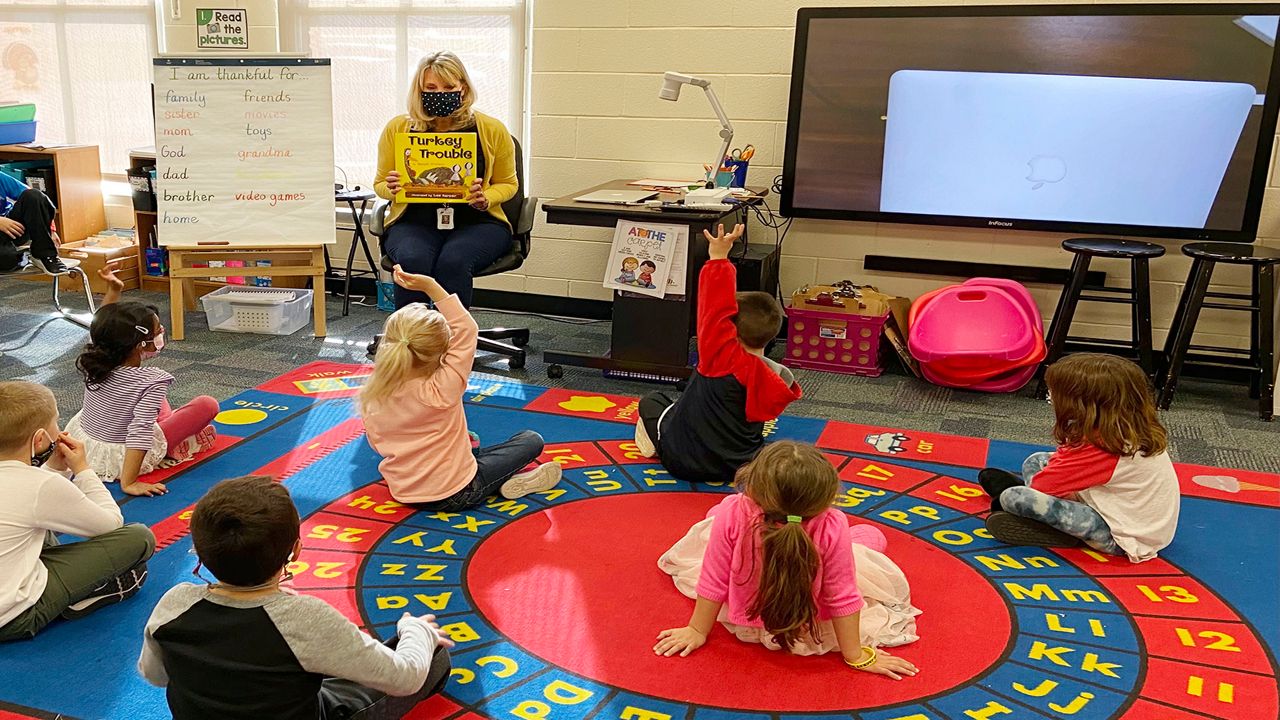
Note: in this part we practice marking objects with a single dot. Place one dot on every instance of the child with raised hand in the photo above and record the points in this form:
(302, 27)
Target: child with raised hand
(775, 565)
(413, 415)
(241, 648)
(717, 425)
(1110, 484)
(126, 424)
(47, 487)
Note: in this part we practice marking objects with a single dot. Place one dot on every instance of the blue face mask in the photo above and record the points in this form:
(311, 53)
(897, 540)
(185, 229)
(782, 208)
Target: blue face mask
(441, 104)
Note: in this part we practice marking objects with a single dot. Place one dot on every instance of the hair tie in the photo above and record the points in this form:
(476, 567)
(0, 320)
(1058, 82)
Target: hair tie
(794, 518)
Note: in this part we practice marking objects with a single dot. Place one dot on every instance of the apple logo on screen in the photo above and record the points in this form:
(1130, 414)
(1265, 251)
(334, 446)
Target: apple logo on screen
(1046, 169)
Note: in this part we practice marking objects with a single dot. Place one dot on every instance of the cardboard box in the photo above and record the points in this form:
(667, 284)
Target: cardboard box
(95, 252)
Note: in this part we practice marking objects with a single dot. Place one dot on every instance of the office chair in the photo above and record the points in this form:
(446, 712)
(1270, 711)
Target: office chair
(520, 211)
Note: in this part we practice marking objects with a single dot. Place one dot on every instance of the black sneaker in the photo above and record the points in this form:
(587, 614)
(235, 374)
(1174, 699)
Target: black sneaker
(117, 589)
(1016, 530)
(372, 348)
(50, 266)
(995, 481)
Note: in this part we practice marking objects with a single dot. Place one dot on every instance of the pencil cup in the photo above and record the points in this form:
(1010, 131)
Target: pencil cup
(737, 173)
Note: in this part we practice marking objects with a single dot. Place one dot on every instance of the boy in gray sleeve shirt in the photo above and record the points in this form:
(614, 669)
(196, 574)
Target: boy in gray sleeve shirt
(243, 648)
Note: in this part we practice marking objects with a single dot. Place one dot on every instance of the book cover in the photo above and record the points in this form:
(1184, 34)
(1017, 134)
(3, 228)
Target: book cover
(641, 257)
(435, 167)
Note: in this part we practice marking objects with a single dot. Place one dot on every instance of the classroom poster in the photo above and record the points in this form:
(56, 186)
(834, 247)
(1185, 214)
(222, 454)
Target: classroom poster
(641, 257)
(435, 167)
(244, 151)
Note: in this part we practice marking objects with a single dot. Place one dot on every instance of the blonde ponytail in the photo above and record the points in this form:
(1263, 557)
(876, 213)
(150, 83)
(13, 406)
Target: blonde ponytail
(414, 339)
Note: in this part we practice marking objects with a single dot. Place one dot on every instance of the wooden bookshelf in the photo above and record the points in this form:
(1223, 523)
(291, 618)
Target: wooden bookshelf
(77, 181)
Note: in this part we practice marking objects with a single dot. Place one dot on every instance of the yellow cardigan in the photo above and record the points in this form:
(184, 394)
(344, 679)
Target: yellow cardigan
(499, 182)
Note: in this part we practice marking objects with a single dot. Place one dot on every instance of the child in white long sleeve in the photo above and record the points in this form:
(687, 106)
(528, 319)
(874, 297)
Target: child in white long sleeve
(47, 487)
(243, 649)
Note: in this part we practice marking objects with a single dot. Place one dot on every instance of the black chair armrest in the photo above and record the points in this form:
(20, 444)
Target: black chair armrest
(377, 221)
(528, 208)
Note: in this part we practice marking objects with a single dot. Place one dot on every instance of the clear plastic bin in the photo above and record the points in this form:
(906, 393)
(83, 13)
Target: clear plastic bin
(267, 311)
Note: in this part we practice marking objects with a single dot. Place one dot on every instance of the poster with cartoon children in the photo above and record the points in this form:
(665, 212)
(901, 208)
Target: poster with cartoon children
(435, 167)
(641, 257)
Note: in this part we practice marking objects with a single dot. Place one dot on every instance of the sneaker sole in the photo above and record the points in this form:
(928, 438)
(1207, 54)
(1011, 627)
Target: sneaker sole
(643, 444)
(544, 478)
(97, 602)
(1016, 530)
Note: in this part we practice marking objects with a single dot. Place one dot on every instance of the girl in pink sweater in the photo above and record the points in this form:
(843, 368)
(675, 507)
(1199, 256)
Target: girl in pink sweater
(413, 417)
(778, 566)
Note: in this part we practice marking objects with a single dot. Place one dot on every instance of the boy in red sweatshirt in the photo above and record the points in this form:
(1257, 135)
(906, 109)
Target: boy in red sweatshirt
(717, 425)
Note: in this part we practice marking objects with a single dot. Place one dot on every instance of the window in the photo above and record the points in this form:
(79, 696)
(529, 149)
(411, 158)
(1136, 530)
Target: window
(86, 64)
(376, 44)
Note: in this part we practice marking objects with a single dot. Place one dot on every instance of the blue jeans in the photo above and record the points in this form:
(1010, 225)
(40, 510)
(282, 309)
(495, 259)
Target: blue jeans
(494, 466)
(452, 257)
(1071, 517)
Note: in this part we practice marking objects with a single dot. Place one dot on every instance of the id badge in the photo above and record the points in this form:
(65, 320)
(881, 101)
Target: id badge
(444, 218)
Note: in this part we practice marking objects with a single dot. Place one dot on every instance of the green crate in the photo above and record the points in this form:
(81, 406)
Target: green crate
(17, 113)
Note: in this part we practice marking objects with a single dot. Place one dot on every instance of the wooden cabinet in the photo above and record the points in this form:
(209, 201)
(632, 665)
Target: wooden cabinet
(77, 177)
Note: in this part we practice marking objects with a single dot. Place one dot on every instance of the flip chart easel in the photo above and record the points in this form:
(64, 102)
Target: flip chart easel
(300, 261)
(244, 171)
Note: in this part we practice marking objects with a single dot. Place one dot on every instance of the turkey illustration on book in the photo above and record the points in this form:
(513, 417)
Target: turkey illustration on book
(439, 167)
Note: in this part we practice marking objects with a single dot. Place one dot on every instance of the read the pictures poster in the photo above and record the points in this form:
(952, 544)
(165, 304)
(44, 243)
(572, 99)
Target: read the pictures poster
(642, 257)
(435, 167)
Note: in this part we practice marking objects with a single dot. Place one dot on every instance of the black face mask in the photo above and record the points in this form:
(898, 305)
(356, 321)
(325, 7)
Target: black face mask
(41, 458)
(441, 104)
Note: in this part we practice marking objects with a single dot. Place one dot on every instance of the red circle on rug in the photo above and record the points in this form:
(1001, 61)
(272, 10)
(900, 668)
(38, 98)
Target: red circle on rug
(578, 586)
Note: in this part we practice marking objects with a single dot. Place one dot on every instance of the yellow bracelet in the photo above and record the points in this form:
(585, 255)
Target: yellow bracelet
(863, 664)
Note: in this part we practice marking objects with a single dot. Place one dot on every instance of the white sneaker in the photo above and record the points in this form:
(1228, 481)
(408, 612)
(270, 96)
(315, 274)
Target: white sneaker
(643, 443)
(543, 477)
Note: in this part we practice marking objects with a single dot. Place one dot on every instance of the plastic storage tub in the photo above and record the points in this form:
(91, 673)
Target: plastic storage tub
(23, 113)
(267, 311)
(834, 341)
(14, 133)
(972, 328)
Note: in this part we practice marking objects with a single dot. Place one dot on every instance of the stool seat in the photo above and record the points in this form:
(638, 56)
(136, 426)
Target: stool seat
(1233, 253)
(1109, 247)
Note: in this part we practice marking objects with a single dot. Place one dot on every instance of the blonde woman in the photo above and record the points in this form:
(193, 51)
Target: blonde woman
(450, 242)
(413, 416)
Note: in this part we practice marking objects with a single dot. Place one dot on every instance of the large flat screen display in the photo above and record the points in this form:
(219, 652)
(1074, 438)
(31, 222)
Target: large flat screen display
(1153, 120)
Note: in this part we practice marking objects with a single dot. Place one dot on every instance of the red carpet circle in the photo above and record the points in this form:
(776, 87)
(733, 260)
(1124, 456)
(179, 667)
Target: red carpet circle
(578, 586)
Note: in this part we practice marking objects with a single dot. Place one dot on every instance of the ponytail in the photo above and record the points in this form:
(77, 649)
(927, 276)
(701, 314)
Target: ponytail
(790, 482)
(114, 334)
(784, 599)
(414, 340)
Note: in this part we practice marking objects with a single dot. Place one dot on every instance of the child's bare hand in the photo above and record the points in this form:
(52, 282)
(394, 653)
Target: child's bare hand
(682, 640)
(444, 640)
(143, 489)
(719, 245)
(71, 453)
(890, 666)
(108, 275)
(411, 281)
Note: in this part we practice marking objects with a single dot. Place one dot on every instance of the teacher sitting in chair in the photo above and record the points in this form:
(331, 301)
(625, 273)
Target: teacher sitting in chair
(450, 241)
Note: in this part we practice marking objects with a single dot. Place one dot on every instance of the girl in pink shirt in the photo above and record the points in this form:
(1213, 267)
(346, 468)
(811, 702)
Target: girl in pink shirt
(778, 565)
(413, 417)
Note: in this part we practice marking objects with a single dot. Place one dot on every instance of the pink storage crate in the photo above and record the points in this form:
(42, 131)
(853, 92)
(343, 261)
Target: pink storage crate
(834, 341)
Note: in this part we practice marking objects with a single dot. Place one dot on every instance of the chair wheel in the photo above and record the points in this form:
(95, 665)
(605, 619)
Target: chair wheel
(519, 340)
(555, 372)
(515, 362)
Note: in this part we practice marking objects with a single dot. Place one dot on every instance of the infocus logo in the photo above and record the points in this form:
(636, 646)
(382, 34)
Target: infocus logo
(999, 223)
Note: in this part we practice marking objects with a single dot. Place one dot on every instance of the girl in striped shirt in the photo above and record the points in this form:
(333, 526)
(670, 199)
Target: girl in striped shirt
(126, 423)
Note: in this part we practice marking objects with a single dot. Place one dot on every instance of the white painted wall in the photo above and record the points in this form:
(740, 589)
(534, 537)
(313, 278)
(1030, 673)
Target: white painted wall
(596, 116)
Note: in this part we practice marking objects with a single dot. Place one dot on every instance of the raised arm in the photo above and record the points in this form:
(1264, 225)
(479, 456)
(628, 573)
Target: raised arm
(718, 347)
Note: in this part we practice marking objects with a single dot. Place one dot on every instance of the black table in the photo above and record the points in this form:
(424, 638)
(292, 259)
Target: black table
(650, 336)
(351, 197)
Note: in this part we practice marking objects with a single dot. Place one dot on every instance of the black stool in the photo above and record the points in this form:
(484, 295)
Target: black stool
(1259, 359)
(1138, 295)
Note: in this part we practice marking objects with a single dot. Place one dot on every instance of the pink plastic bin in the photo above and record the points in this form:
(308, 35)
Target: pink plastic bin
(996, 378)
(1007, 381)
(973, 327)
(834, 341)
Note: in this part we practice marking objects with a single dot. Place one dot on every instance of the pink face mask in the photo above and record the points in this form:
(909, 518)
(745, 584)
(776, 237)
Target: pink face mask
(157, 343)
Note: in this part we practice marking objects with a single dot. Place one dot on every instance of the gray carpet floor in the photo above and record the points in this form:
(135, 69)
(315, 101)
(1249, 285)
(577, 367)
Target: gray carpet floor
(1210, 424)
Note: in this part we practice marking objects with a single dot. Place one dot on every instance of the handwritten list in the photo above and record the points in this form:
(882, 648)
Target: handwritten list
(244, 151)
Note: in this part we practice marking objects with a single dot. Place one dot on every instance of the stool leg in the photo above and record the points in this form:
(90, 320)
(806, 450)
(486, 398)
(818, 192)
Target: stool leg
(1140, 279)
(1255, 327)
(1180, 334)
(351, 258)
(1179, 311)
(1060, 326)
(1266, 282)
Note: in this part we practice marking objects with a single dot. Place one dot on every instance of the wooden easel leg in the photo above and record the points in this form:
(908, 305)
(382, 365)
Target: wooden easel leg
(189, 293)
(318, 292)
(176, 307)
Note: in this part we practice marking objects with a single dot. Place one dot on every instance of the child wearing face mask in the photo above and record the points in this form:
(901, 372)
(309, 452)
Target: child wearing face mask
(126, 424)
(47, 487)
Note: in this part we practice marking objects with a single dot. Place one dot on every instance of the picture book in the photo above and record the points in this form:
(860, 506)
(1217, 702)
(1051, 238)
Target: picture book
(641, 257)
(435, 167)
